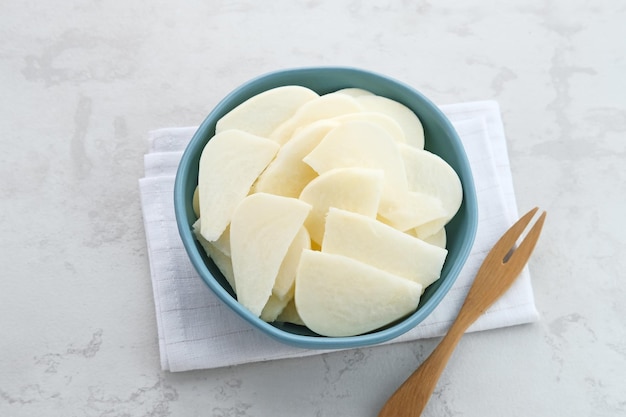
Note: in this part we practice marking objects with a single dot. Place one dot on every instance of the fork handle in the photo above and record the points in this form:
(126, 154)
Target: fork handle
(412, 396)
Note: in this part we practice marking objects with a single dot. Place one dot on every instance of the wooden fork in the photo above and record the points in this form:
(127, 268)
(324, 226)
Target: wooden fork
(499, 269)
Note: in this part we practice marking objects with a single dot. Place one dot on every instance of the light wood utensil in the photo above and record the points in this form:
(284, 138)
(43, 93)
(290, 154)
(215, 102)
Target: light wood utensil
(500, 268)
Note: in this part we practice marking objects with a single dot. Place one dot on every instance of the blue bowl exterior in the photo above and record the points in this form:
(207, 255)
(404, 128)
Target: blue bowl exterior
(441, 139)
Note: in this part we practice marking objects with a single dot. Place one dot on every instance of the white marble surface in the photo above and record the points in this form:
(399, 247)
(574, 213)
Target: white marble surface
(82, 82)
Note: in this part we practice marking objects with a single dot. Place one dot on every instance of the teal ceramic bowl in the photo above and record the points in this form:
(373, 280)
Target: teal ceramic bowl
(440, 138)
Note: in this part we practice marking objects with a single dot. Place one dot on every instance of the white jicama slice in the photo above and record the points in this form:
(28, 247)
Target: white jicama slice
(366, 145)
(221, 259)
(290, 314)
(411, 124)
(390, 125)
(353, 189)
(223, 263)
(287, 175)
(354, 92)
(261, 231)
(273, 308)
(283, 286)
(374, 243)
(223, 242)
(339, 296)
(428, 229)
(196, 202)
(230, 163)
(414, 210)
(323, 107)
(429, 174)
(264, 112)
(438, 238)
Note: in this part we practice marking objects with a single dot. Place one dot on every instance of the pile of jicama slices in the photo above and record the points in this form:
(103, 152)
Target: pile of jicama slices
(325, 211)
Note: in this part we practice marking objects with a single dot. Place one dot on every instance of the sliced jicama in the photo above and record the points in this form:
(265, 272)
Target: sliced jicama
(381, 246)
(438, 238)
(325, 211)
(283, 286)
(389, 124)
(221, 259)
(355, 92)
(262, 229)
(273, 308)
(287, 175)
(324, 107)
(353, 189)
(290, 314)
(413, 211)
(339, 296)
(224, 264)
(196, 202)
(223, 242)
(364, 145)
(230, 163)
(264, 112)
(429, 174)
(413, 130)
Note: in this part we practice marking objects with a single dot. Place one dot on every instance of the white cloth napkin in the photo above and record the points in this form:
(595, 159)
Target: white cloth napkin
(197, 331)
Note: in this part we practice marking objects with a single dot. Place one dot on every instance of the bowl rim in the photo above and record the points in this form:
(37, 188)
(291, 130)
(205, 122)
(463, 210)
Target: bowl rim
(206, 130)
